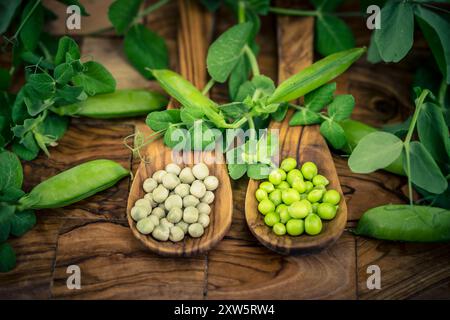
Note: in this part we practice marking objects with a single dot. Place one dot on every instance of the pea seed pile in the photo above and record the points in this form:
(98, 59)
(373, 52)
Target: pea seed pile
(295, 201)
(176, 203)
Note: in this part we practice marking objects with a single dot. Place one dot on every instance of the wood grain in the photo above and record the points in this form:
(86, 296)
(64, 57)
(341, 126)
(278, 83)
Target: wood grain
(195, 24)
(303, 143)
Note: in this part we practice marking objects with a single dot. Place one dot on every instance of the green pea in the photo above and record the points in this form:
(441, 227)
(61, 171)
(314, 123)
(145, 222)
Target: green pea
(281, 207)
(313, 224)
(332, 196)
(73, 185)
(326, 211)
(299, 210)
(292, 175)
(276, 176)
(260, 194)
(320, 180)
(271, 218)
(279, 229)
(266, 206)
(303, 196)
(309, 170)
(288, 164)
(315, 195)
(299, 185)
(267, 186)
(289, 196)
(295, 227)
(309, 186)
(283, 185)
(314, 207)
(275, 197)
(285, 216)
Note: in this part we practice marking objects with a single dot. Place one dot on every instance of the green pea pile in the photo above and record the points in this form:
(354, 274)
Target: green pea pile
(295, 201)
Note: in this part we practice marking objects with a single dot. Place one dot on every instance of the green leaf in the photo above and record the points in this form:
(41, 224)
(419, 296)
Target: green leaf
(263, 84)
(238, 76)
(435, 28)
(67, 47)
(326, 5)
(11, 195)
(6, 216)
(22, 222)
(190, 115)
(27, 149)
(11, 172)
(245, 90)
(333, 35)
(34, 59)
(424, 171)
(433, 132)
(77, 3)
(7, 257)
(63, 73)
(305, 117)
(175, 137)
(5, 79)
(281, 112)
(316, 100)
(234, 109)
(225, 51)
(32, 27)
(145, 49)
(69, 95)
(160, 120)
(373, 54)
(54, 126)
(7, 10)
(42, 84)
(342, 107)
(202, 137)
(122, 13)
(395, 38)
(95, 79)
(333, 133)
(237, 170)
(258, 171)
(375, 151)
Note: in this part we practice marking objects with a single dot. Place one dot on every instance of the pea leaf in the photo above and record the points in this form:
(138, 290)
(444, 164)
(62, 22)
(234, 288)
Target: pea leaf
(342, 107)
(333, 133)
(11, 195)
(225, 51)
(395, 38)
(245, 90)
(238, 76)
(333, 35)
(42, 84)
(160, 120)
(424, 171)
(175, 138)
(264, 84)
(22, 222)
(67, 47)
(63, 73)
(11, 173)
(145, 49)
(435, 28)
(373, 54)
(69, 95)
(316, 100)
(95, 79)
(234, 109)
(202, 137)
(237, 170)
(122, 13)
(258, 171)
(433, 132)
(7, 257)
(5, 79)
(7, 10)
(375, 151)
(305, 117)
(32, 58)
(190, 115)
(26, 149)
(326, 5)
(281, 112)
(6, 216)
(32, 27)
(53, 126)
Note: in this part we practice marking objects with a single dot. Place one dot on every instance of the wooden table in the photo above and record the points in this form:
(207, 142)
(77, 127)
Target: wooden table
(94, 233)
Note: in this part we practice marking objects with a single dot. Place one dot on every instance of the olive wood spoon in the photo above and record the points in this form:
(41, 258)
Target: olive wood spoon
(193, 37)
(295, 43)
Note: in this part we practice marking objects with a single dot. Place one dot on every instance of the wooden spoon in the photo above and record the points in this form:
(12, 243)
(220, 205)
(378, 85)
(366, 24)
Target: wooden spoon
(193, 35)
(295, 43)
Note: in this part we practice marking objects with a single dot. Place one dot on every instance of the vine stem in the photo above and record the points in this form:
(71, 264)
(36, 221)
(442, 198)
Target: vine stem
(208, 86)
(26, 19)
(442, 92)
(252, 59)
(407, 141)
(241, 12)
(294, 12)
(151, 8)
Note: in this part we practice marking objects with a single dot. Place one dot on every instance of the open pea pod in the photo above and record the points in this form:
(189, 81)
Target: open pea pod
(315, 75)
(73, 185)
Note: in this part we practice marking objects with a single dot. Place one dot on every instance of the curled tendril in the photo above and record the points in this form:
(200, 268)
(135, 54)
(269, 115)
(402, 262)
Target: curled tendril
(140, 141)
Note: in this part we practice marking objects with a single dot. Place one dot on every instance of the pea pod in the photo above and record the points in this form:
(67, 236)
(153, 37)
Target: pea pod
(406, 223)
(355, 131)
(315, 75)
(73, 185)
(119, 104)
(189, 96)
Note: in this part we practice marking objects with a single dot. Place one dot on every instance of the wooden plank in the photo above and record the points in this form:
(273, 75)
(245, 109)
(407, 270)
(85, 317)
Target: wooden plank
(408, 270)
(35, 251)
(114, 265)
(86, 140)
(240, 269)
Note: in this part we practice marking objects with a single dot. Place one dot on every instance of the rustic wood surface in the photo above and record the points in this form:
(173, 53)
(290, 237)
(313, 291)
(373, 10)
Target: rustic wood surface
(94, 233)
(302, 143)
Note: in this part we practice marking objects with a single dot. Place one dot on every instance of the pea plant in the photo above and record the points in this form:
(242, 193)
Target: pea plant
(143, 47)
(425, 161)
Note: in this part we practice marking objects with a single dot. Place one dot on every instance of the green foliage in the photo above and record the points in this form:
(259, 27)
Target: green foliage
(122, 13)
